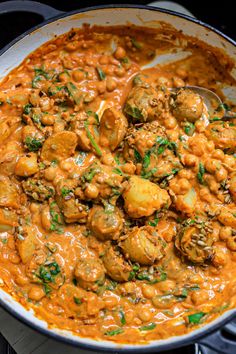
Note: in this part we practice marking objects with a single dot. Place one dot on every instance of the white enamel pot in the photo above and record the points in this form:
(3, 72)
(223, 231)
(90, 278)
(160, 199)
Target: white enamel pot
(57, 23)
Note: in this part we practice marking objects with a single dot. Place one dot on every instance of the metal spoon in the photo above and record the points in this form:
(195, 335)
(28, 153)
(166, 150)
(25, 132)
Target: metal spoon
(211, 100)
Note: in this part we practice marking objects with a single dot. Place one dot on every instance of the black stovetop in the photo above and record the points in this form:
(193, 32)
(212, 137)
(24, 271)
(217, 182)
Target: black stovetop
(218, 14)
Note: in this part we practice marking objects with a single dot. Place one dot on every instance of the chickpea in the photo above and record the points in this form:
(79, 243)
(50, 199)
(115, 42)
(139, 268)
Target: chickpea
(119, 71)
(212, 165)
(148, 291)
(229, 161)
(104, 60)
(185, 174)
(63, 77)
(225, 233)
(48, 119)
(184, 185)
(107, 159)
(231, 243)
(129, 316)
(78, 75)
(45, 103)
(210, 146)
(129, 168)
(14, 258)
(101, 87)
(110, 302)
(170, 122)
(218, 154)
(145, 315)
(66, 165)
(200, 297)
(190, 160)
(36, 293)
(46, 218)
(21, 280)
(91, 191)
(166, 286)
(220, 258)
(34, 99)
(59, 127)
(34, 207)
(111, 84)
(164, 81)
(27, 165)
(178, 82)
(120, 53)
(50, 173)
(221, 174)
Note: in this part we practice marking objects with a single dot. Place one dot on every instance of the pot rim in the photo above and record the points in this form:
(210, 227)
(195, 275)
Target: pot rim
(139, 348)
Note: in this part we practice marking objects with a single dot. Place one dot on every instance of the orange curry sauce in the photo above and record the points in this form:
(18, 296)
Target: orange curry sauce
(117, 193)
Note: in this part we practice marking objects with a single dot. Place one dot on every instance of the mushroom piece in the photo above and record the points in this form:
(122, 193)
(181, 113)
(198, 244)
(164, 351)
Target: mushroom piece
(143, 245)
(105, 225)
(144, 104)
(90, 273)
(223, 135)
(116, 267)
(113, 126)
(187, 105)
(195, 243)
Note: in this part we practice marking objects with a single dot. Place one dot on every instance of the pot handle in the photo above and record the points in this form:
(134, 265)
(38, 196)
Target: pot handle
(217, 343)
(44, 10)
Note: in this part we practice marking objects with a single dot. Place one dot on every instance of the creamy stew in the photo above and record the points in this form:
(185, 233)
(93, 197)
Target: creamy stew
(117, 187)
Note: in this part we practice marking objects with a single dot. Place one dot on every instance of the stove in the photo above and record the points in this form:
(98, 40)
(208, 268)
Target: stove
(25, 340)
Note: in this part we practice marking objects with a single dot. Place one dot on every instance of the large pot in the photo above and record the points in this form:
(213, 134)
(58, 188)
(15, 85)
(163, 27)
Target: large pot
(58, 23)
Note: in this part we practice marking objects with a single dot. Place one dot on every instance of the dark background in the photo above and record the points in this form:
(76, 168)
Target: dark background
(220, 14)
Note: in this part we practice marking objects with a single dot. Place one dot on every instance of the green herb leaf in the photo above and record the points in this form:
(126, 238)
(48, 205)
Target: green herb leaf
(93, 114)
(200, 174)
(101, 73)
(136, 44)
(148, 327)
(137, 156)
(77, 300)
(27, 108)
(33, 144)
(146, 159)
(189, 128)
(65, 191)
(154, 222)
(114, 332)
(122, 318)
(133, 111)
(74, 93)
(92, 140)
(196, 317)
(118, 171)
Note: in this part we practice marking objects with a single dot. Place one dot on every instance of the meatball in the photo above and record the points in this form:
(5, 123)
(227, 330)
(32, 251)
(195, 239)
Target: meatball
(143, 246)
(144, 104)
(195, 244)
(143, 198)
(117, 268)
(38, 189)
(187, 105)
(113, 126)
(89, 273)
(223, 135)
(105, 225)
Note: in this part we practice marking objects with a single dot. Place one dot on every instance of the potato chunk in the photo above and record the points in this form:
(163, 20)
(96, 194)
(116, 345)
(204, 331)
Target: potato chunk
(113, 126)
(117, 268)
(26, 243)
(143, 246)
(8, 193)
(8, 219)
(26, 165)
(187, 105)
(90, 273)
(105, 225)
(59, 146)
(143, 198)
